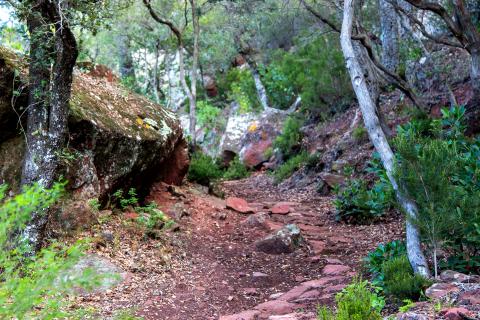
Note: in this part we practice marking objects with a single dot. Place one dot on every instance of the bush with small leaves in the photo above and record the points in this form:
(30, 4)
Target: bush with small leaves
(203, 169)
(288, 168)
(289, 141)
(236, 170)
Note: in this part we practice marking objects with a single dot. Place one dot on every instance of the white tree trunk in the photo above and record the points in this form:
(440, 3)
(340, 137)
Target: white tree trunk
(379, 140)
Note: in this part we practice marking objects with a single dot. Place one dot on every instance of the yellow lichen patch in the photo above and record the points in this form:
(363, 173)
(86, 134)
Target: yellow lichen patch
(140, 121)
(253, 127)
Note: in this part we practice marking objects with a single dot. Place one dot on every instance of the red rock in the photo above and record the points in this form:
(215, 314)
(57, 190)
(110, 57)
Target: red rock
(176, 166)
(456, 313)
(335, 289)
(245, 315)
(317, 246)
(322, 282)
(276, 307)
(254, 154)
(315, 259)
(441, 290)
(280, 208)
(335, 269)
(310, 294)
(130, 215)
(333, 261)
(454, 276)
(294, 293)
(239, 205)
(250, 291)
(470, 297)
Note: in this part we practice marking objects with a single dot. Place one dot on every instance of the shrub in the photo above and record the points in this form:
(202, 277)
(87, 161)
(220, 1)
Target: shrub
(241, 88)
(375, 259)
(203, 169)
(288, 168)
(400, 282)
(123, 201)
(30, 284)
(151, 218)
(356, 203)
(440, 172)
(359, 133)
(289, 141)
(358, 301)
(236, 170)
(278, 86)
(207, 114)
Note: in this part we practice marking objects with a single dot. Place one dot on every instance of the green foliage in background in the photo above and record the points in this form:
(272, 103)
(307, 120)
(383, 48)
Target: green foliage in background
(285, 170)
(207, 114)
(236, 170)
(203, 169)
(239, 86)
(288, 142)
(358, 301)
(32, 285)
(315, 70)
(440, 169)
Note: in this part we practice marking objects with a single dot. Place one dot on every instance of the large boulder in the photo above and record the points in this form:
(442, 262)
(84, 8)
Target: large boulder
(117, 139)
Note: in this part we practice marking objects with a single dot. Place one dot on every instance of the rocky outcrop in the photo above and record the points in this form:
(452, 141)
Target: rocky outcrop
(117, 139)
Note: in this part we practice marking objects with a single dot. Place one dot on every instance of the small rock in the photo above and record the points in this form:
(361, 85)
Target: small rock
(280, 208)
(441, 290)
(250, 291)
(294, 293)
(239, 205)
(333, 261)
(335, 269)
(259, 275)
(285, 240)
(175, 191)
(456, 313)
(317, 246)
(332, 179)
(412, 316)
(470, 298)
(256, 220)
(245, 315)
(276, 307)
(107, 236)
(275, 295)
(454, 276)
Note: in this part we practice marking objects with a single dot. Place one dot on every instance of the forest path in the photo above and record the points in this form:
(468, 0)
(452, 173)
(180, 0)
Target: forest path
(211, 268)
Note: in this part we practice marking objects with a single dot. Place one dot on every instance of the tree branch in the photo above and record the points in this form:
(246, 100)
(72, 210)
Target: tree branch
(163, 21)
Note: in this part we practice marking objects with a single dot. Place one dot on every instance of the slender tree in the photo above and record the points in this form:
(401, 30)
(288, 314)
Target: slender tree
(379, 139)
(191, 91)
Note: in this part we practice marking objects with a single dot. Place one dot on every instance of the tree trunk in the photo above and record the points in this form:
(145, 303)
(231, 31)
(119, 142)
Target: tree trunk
(379, 140)
(126, 67)
(48, 103)
(389, 35)
(193, 84)
(155, 74)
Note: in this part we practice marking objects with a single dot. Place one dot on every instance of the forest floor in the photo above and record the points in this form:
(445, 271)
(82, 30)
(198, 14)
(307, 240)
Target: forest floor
(210, 266)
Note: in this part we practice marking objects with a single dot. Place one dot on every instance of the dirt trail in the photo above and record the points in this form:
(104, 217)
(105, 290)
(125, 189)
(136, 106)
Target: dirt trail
(210, 267)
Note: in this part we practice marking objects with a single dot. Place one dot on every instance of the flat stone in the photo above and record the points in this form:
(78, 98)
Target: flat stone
(280, 208)
(323, 282)
(454, 276)
(317, 246)
(294, 293)
(239, 205)
(257, 275)
(245, 315)
(441, 290)
(276, 307)
(469, 298)
(411, 316)
(333, 261)
(335, 269)
(456, 313)
(335, 289)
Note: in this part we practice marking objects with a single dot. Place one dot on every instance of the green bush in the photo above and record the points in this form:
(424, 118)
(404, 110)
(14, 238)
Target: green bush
(400, 282)
(207, 114)
(125, 201)
(375, 259)
(240, 87)
(440, 172)
(31, 285)
(203, 169)
(315, 71)
(359, 133)
(356, 203)
(358, 301)
(151, 218)
(236, 170)
(288, 168)
(289, 141)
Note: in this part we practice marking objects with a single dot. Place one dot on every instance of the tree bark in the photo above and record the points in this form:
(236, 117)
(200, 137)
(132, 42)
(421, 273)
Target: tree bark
(194, 72)
(379, 140)
(48, 102)
(389, 35)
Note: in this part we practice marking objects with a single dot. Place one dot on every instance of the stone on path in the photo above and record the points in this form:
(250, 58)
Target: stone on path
(276, 307)
(335, 269)
(245, 315)
(441, 290)
(239, 205)
(285, 240)
(457, 314)
(280, 208)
